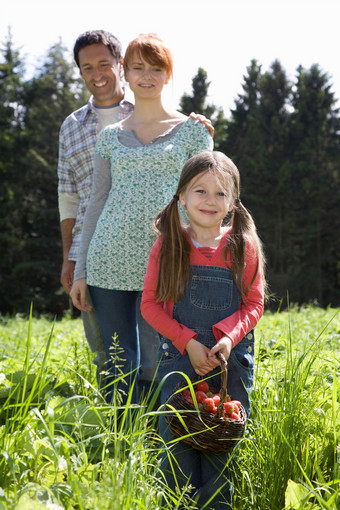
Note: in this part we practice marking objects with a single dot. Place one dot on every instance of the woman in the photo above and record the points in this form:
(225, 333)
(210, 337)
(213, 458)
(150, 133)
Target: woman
(137, 165)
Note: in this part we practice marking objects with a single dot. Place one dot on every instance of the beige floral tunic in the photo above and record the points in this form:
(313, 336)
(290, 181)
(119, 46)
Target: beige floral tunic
(143, 181)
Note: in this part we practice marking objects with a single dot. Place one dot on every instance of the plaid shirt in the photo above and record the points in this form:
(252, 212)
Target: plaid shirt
(77, 140)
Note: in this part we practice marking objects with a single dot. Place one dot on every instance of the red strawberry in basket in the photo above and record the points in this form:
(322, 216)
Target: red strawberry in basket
(187, 395)
(237, 403)
(200, 396)
(229, 408)
(203, 386)
(216, 398)
(234, 416)
(209, 405)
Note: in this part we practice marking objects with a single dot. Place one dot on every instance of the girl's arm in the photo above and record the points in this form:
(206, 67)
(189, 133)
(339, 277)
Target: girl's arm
(245, 319)
(159, 315)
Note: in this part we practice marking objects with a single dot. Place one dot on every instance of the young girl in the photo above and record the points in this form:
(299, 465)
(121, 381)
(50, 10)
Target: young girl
(204, 293)
(137, 165)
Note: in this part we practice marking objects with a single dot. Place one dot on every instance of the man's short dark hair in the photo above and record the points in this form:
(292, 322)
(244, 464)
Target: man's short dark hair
(97, 37)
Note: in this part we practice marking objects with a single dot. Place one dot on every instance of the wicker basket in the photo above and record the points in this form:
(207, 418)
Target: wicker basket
(211, 433)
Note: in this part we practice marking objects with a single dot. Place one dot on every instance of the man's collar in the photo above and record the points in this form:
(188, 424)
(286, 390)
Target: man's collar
(122, 103)
(89, 108)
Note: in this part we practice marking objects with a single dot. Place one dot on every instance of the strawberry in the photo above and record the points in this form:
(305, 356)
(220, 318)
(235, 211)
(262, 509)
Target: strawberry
(234, 416)
(203, 386)
(200, 396)
(216, 398)
(229, 408)
(209, 405)
(237, 403)
(186, 393)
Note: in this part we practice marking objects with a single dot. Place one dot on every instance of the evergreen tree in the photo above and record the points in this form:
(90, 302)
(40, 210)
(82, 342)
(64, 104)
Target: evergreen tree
(286, 146)
(315, 127)
(244, 143)
(197, 103)
(12, 111)
(52, 94)
(273, 196)
(257, 141)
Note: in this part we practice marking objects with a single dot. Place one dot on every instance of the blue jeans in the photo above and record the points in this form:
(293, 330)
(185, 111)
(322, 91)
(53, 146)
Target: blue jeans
(94, 338)
(118, 313)
(207, 473)
(210, 296)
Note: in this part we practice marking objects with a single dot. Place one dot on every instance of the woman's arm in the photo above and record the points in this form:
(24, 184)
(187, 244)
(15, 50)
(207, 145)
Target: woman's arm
(78, 295)
(101, 186)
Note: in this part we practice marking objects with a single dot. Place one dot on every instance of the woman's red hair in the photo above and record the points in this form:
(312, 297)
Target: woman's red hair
(152, 49)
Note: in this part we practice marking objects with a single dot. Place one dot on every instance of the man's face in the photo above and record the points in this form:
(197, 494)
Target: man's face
(101, 73)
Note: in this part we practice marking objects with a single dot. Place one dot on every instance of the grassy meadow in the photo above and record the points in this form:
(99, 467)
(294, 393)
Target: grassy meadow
(61, 446)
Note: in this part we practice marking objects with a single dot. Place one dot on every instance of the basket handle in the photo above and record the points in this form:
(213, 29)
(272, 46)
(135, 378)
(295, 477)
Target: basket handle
(224, 379)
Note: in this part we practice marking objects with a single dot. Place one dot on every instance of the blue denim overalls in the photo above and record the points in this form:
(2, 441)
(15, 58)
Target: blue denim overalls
(210, 296)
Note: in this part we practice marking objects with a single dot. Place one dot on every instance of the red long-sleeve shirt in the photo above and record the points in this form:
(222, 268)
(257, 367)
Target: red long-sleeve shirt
(236, 326)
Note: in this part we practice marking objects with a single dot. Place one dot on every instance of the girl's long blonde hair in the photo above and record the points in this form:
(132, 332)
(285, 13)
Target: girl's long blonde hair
(174, 257)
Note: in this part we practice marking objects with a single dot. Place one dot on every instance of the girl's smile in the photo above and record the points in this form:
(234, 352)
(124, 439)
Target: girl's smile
(205, 202)
(204, 211)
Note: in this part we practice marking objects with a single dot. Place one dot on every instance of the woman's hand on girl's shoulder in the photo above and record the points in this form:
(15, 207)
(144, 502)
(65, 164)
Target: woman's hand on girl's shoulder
(205, 121)
(224, 346)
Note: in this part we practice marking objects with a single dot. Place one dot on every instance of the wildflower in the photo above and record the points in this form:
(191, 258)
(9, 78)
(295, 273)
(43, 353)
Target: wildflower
(2, 492)
(2, 377)
(53, 506)
(62, 464)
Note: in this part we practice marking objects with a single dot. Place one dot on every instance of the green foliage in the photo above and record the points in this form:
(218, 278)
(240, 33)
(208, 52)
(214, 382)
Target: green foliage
(290, 455)
(284, 137)
(31, 115)
(61, 444)
(282, 134)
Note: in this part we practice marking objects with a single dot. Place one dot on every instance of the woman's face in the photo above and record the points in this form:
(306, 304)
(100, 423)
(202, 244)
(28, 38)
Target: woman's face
(145, 79)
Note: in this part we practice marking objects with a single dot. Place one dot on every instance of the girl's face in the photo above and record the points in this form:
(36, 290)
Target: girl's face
(205, 201)
(145, 79)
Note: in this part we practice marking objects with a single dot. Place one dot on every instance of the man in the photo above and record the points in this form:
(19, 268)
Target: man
(98, 56)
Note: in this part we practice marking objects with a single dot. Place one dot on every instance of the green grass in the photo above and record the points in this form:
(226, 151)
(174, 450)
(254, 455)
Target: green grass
(61, 448)
(293, 439)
